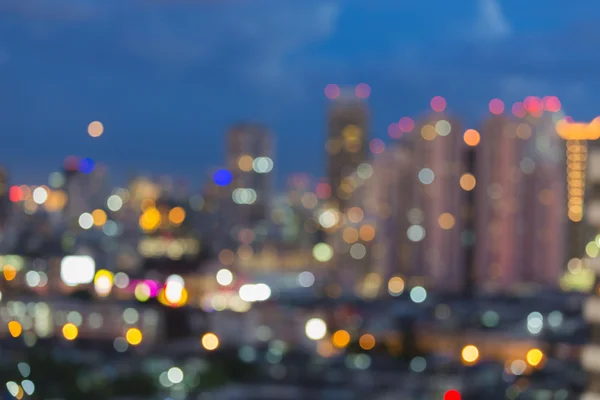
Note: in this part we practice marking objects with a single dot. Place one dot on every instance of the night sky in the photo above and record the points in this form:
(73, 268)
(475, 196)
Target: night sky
(166, 77)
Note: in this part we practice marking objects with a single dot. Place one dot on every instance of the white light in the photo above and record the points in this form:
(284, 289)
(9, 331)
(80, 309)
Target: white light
(248, 292)
(175, 375)
(13, 388)
(535, 323)
(86, 221)
(177, 279)
(110, 228)
(306, 279)
(224, 277)
(114, 203)
(103, 285)
(77, 270)
(328, 218)
(40, 195)
(28, 387)
(426, 176)
(173, 292)
(32, 278)
(244, 196)
(262, 165)
(518, 367)
(358, 251)
(315, 329)
(262, 292)
(121, 280)
(131, 316)
(418, 294)
(416, 233)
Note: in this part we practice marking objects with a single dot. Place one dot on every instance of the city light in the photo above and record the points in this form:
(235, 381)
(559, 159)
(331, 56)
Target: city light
(15, 329)
(535, 357)
(367, 341)
(315, 329)
(340, 339)
(470, 354)
(396, 286)
(95, 129)
(210, 341)
(134, 336)
(77, 270)
(70, 331)
(322, 252)
(224, 277)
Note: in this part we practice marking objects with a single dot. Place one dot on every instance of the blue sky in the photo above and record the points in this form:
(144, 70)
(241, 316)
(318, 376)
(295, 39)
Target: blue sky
(166, 77)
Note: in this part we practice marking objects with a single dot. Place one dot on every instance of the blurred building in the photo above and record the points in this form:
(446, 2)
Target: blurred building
(250, 160)
(86, 185)
(4, 198)
(437, 221)
(591, 353)
(521, 204)
(347, 144)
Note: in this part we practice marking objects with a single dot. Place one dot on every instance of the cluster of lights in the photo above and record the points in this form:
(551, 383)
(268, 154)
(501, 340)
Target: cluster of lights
(244, 196)
(34, 197)
(255, 292)
(576, 166)
(173, 294)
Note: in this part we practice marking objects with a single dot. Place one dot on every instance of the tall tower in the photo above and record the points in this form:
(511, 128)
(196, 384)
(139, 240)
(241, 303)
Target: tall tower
(250, 160)
(437, 223)
(347, 144)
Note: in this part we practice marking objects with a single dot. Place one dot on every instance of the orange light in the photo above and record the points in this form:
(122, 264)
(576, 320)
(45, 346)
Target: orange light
(177, 215)
(150, 219)
(95, 129)
(367, 233)
(366, 341)
(340, 339)
(467, 182)
(578, 131)
(99, 217)
(15, 329)
(471, 137)
(10, 272)
(470, 354)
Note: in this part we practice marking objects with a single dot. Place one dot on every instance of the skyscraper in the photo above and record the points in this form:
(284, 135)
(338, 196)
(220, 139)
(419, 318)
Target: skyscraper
(591, 353)
(437, 220)
(347, 144)
(250, 160)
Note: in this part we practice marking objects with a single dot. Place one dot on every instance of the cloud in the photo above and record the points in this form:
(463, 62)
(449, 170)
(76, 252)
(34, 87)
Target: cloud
(491, 22)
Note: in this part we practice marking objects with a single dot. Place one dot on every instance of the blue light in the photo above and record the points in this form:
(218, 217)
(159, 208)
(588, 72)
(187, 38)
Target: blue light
(222, 177)
(86, 165)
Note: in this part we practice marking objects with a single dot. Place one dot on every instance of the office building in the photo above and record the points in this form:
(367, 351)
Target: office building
(347, 144)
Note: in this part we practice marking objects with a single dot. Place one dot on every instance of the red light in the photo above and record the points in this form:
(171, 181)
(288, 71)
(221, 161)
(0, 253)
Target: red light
(406, 124)
(496, 106)
(533, 105)
(362, 90)
(332, 91)
(452, 395)
(15, 194)
(552, 103)
(438, 104)
(323, 191)
(518, 110)
(394, 130)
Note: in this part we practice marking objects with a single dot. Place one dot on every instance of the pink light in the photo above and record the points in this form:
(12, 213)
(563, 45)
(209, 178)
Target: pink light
(569, 119)
(377, 146)
(394, 131)
(332, 91)
(362, 90)
(406, 124)
(552, 103)
(323, 190)
(533, 105)
(496, 106)
(518, 110)
(438, 104)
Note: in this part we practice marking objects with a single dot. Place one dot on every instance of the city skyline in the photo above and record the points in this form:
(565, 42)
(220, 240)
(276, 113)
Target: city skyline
(179, 99)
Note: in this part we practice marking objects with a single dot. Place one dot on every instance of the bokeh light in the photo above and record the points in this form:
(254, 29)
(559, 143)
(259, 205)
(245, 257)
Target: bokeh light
(438, 104)
(471, 137)
(362, 90)
(470, 354)
(367, 341)
(210, 341)
(496, 106)
(95, 129)
(315, 329)
(332, 91)
(70, 331)
(341, 339)
(222, 177)
(134, 336)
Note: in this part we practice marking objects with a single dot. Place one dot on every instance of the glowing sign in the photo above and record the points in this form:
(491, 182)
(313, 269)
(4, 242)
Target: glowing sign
(578, 130)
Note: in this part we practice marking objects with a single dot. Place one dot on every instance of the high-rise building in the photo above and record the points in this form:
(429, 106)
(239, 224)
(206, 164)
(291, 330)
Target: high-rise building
(591, 352)
(520, 199)
(347, 144)
(437, 221)
(250, 161)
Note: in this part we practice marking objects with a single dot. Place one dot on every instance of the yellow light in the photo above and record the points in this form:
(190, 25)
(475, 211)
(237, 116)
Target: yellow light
(142, 292)
(99, 217)
(15, 329)
(134, 336)
(366, 341)
(210, 341)
(467, 182)
(177, 215)
(70, 331)
(535, 357)
(150, 219)
(579, 131)
(340, 339)
(470, 354)
(103, 282)
(10, 272)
